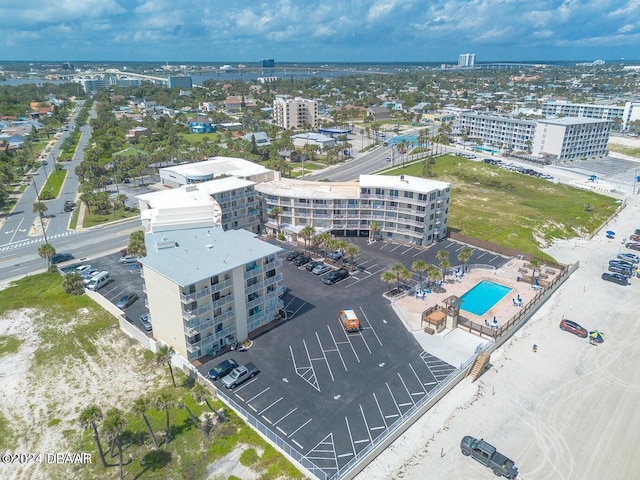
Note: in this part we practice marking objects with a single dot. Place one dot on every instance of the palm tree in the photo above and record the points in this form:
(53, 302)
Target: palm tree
(275, 213)
(306, 233)
(200, 393)
(535, 266)
(39, 208)
(323, 241)
(420, 267)
(73, 284)
(136, 244)
(405, 275)
(182, 404)
(164, 401)
(90, 417)
(122, 199)
(163, 357)
(388, 277)
(442, 255)
(114, 424)
(46, 251)
(444, 265)
(432, 272)
(464, 256)
(140, 407)
(401, 273)
(351, 250)
(374, 229)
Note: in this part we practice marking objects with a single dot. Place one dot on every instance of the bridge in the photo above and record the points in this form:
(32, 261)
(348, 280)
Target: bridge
(118, 74)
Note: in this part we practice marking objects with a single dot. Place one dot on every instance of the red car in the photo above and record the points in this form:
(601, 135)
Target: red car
(634, 237)
(573, 327)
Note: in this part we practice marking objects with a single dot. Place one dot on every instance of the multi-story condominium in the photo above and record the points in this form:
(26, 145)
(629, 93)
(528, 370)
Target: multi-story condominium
(213, 168)
(180, 82)
(295, 112)
(207, 287)
(405, 208)
(466, 59)
(229, 202)
(627, 113)
(566, 109)
(571, 138)
(513, 134)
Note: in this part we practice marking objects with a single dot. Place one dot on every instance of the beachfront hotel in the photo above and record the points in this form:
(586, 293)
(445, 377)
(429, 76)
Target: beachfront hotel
(571, 138)
(295, 112)
(405, 208)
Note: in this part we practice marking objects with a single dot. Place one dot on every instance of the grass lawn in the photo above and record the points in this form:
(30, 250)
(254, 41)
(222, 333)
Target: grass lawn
(93, 219)
(75, 335)
(511, 209)
(52, 188)
(634, 152)
(199, 137)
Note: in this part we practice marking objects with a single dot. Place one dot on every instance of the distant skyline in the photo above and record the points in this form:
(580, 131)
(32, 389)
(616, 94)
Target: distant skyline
(313, 31)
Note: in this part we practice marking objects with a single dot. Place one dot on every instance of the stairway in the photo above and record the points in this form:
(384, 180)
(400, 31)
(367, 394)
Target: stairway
(479, 365)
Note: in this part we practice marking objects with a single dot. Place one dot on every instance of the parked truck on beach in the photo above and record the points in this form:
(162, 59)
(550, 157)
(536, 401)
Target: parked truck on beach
(488, 456)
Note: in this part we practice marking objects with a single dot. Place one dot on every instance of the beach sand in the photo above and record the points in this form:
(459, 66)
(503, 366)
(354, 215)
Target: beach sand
(568, 411)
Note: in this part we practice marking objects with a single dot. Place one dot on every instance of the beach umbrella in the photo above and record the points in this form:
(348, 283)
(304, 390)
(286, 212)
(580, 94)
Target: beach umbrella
(597, 336)
(611, 233)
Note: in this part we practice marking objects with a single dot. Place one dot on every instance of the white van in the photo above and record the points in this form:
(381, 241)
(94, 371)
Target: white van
(99, 280)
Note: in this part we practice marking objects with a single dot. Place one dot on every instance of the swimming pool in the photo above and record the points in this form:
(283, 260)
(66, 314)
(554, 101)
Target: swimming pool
(412, 139)
(482, 297)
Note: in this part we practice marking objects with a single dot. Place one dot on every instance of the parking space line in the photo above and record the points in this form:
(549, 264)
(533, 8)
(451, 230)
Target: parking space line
(246, 384)
(361, 441)
(353, 447)
(380, 410)
(285, 416)
(407, 250)
(378, 428)
(299, 428)
(349, 340)
(461, 247)
(267, 408)
(299, 308)
(364, 340)
(419, 381)
(392, 397)
(482, 255)
(301, 447)
(398, 245)
(419, 252)
(313, 371)
(257, 395)
(253, 408)
(325, 357)
(269, 421)
(370, 327)
(449, 244)
(408, 393)
(384, 245)
(345, 455)
(337, 349)
(302, 371)
(282, 431)
(366, 424)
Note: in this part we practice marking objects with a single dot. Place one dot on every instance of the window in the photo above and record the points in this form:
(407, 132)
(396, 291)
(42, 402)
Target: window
(408, 194)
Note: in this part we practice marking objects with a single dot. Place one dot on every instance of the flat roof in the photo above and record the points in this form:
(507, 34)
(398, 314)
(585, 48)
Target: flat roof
(573, 120)
(293, 188)
(193, 194)
(216, 166)
(188, 256)
(403, 182)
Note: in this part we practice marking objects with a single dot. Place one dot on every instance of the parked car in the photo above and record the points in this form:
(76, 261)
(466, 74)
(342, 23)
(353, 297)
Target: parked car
(629, 257)
(82, 268)
(615, 278)
(145, 319)
(240, 375)
(573, 327)
(623, 269)
(487, 455)
(222, 369)
(633, 245)
(126, 300)
(311, 265)
(321, 269)
(335, 276)
(337, 255)
(86, 274)
(634, 238)
(291, 256)
(128, 259)
(61, 257)
(301, 260)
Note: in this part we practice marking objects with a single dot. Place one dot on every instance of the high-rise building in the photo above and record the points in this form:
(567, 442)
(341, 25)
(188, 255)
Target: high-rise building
(466, 59)
(268, 63)
(295, 112)
(182, 82)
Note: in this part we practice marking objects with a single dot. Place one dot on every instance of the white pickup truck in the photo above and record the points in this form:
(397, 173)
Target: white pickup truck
(239, 375)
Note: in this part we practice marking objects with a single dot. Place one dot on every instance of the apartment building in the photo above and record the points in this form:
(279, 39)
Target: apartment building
(231, 203)
(215, 167)
(571, 138)
(405, 208)
(295, 112)
(466, 59)
(207, 287)
(627, 113)
(506, 133)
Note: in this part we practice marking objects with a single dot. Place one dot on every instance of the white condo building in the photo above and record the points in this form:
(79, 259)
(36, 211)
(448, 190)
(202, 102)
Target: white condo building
(295, 112)
(466, 59)
(408, 209)
(504, 132)
(627, 113)
(571, 138)
(207, 287)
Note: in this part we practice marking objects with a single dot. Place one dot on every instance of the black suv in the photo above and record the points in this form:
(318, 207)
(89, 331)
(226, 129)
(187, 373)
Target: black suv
(291, 256)
(311, 265)
(61, 257)
(335, 276)
(615, 278)
(301, 260)
(621, 268)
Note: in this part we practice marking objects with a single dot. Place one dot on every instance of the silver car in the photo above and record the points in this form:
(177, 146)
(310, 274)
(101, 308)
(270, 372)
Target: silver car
(629, 257)
(320, 269)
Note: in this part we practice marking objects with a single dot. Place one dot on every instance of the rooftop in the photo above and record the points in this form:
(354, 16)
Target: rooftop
(236, 167)
(187, 256)
(403, 182)
(573, 120)
(308, 189)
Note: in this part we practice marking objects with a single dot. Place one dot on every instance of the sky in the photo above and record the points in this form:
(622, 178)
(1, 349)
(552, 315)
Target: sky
(313, 31)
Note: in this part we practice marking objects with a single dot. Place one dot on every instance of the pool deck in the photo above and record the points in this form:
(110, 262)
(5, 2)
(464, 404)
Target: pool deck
(456, 346)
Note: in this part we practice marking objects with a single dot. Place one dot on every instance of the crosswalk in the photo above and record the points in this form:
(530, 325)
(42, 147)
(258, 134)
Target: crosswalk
(34, 241)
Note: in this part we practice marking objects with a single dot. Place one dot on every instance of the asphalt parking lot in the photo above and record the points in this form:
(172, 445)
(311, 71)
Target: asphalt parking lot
(126, 278)
(328, 393)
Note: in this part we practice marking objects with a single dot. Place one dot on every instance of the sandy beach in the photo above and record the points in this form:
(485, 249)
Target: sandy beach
(565, 412)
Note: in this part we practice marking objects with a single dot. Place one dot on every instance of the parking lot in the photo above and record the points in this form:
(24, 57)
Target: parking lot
(126, 278)
(328, 393)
